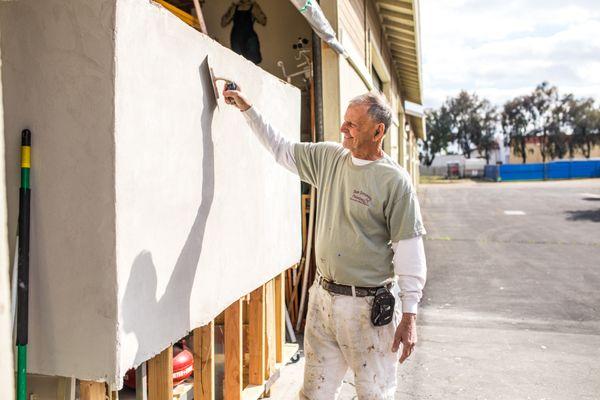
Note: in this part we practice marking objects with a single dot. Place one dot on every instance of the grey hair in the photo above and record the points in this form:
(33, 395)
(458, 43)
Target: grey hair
(379, 108)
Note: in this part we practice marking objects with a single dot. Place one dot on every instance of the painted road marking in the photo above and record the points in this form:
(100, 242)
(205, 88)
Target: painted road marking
(595, 196)
(514, 212)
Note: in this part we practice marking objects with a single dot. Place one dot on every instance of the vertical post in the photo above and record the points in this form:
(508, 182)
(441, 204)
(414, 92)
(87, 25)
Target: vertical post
(270, 347)
(204, 362)
(160, 376)
(200, 17)
(279, 316)
(23, 266)
(141, 382)
(92, 390)
(256, 336)
(232, 389)
(65, 389)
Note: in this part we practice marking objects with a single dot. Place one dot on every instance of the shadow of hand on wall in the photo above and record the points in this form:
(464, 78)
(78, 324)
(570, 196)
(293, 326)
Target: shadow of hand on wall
(151, 319)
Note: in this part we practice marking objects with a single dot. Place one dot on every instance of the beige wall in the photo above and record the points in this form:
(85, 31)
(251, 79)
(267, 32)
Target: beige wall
(284, 25)
(361, 34)
(535, 156)
(6, 365)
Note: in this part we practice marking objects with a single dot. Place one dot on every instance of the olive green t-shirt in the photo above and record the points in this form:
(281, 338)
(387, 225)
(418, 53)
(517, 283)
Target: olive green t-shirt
(360, 211)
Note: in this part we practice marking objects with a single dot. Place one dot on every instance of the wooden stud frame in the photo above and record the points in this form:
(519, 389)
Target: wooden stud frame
(160, 376)
(204, 362)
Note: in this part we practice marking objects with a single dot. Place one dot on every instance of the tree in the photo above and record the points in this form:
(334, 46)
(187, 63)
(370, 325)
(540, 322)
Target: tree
(439, 134)
(559, 142)
(541, 104)
(515, 120)
(486, 121)
(474, 123)
(584, 122)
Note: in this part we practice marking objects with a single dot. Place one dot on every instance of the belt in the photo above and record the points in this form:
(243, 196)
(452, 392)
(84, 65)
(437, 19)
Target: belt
(347, 290)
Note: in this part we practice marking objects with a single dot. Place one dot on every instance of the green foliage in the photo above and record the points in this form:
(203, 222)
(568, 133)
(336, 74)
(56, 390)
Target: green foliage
(560, 124)
(473, 122)
(439, 127)
(515, 120)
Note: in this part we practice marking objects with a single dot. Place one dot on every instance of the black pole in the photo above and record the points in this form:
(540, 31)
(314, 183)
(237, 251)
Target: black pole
(23, 265)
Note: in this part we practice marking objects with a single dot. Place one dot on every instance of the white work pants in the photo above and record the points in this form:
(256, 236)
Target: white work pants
(339, 334)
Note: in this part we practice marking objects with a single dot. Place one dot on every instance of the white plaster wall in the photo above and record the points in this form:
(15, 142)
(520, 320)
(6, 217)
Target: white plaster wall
(6, 361)
(58, 80)
(151, 209)
(204, 214)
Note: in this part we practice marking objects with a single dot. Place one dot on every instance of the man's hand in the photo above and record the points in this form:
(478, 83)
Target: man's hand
(236, 98)
(406, 333)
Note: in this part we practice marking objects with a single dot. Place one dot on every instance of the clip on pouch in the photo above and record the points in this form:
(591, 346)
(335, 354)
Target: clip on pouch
(382, 311)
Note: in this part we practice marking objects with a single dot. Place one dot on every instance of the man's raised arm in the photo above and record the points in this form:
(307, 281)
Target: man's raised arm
(281, 148)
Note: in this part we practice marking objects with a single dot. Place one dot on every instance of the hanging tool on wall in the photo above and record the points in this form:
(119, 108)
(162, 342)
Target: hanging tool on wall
(23, 266)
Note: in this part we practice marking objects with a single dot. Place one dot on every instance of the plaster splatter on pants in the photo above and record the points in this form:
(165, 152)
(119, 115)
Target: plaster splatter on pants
(339, 334)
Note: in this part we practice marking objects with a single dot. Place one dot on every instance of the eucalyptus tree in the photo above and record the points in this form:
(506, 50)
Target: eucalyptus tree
(515, 120)
(583, 120)
(473, 119)
(439, 134)
(541, 105)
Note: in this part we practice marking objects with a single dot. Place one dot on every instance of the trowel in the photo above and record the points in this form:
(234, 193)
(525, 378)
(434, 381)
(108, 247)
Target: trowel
(229, 84)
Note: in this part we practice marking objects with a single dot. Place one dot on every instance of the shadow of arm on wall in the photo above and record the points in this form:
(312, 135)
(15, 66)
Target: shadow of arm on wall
(140, 306)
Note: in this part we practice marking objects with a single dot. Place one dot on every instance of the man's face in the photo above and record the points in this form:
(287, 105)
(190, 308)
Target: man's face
(359, 129)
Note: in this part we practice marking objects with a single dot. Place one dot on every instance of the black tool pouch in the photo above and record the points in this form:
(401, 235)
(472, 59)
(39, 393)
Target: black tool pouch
(382, 311)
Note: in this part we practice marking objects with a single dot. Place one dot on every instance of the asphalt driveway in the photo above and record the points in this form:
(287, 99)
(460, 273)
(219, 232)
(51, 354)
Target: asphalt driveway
(511, 308)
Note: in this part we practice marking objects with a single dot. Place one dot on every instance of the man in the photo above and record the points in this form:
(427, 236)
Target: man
(368, 229)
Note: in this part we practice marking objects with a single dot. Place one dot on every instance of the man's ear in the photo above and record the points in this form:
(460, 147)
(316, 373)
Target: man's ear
(379, 132)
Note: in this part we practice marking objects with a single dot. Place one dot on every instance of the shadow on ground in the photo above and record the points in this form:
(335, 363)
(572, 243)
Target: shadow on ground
(584, 215)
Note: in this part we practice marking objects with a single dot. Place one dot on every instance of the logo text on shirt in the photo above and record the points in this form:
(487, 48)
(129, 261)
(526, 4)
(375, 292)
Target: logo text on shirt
(361, 197)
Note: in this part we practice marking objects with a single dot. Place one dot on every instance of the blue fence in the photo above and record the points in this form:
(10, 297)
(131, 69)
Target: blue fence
(539, 171)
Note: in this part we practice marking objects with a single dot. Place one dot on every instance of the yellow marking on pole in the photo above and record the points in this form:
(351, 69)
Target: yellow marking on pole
(25, 157)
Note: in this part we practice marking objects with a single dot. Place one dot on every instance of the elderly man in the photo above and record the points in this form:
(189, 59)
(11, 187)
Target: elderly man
(368, 229)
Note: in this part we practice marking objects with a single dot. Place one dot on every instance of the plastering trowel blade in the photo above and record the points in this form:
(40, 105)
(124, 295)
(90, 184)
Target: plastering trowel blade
(212, 80)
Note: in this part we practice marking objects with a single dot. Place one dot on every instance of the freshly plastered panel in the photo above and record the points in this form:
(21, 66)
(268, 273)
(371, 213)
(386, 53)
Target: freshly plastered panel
(152, 209)
(58, 81)
(204, 214)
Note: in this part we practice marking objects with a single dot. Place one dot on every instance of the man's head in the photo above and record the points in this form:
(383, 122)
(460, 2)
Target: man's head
(366, 121)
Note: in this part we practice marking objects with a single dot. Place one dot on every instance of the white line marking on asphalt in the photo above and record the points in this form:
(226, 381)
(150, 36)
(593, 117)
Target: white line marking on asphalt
(514, 212)
(596, 196)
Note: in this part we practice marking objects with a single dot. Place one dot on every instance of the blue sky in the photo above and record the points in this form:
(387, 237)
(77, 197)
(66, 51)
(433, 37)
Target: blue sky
(502, 49)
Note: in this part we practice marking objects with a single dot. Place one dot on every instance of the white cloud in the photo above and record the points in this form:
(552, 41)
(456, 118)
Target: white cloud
(502, 49)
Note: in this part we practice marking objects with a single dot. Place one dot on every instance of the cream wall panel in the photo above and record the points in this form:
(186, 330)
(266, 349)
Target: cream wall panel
(152, 209)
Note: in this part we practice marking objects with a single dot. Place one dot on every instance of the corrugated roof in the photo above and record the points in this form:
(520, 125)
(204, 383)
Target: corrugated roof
(400, 20)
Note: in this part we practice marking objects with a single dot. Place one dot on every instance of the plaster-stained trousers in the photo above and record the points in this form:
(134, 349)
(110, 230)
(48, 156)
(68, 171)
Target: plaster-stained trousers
(339, 334)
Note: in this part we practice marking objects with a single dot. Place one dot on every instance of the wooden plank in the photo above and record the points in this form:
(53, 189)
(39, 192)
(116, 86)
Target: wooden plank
(407, 5)
(65, 389)
(270, 346)
(92, 390)
(160, 376)
(279, 316)
(256, 336)
(204, 362)
(402, 20)
(232, 388)
(141, 382)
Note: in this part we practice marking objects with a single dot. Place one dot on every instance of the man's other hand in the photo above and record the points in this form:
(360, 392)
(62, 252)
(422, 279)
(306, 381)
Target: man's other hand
(236, 98)
(406, 333)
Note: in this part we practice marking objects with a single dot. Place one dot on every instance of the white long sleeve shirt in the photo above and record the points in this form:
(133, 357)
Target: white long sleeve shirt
(409, 255)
